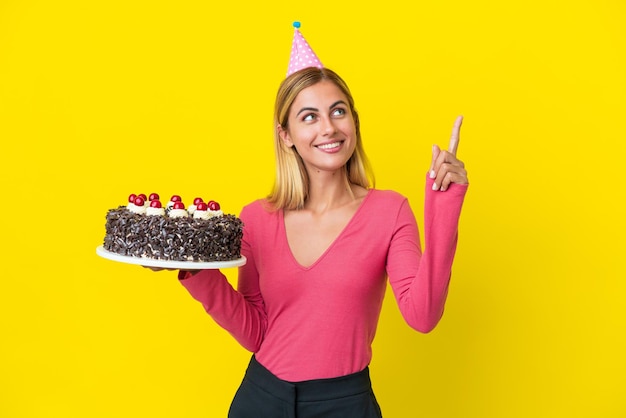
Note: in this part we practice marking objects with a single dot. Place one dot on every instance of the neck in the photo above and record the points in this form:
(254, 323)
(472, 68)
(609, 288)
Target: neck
(328, 191)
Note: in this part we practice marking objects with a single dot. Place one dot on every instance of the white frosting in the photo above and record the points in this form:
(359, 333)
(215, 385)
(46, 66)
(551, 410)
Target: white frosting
(215, 213)
(136, 209)
(207, 214)
(150, 211)
(192, 209)
(178, 213)
(201, 214)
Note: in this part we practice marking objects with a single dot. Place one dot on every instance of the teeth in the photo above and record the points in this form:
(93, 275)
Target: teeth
(329, 146)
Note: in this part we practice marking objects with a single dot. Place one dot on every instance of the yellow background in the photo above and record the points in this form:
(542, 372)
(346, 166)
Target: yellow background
(101, 99)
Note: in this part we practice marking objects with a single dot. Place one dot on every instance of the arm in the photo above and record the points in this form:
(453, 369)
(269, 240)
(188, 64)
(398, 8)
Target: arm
(241, 312)
(420, 281)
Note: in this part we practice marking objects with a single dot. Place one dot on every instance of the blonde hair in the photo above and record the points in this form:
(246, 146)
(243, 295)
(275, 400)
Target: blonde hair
(291, 186)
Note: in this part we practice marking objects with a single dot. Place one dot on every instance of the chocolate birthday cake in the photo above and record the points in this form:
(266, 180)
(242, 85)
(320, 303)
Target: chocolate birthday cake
(144, 228)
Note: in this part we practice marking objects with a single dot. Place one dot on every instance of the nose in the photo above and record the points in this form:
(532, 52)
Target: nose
(328, 127)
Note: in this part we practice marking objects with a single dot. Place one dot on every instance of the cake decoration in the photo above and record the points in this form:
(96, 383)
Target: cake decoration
(137, 203)
(208, 210)
(155, 208)
(145, 229)
(192, 207)
(178, 211)
(202, 211)
(213, 205)
(175, 198)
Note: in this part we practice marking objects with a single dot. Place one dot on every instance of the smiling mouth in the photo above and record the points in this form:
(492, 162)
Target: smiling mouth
(331, 145)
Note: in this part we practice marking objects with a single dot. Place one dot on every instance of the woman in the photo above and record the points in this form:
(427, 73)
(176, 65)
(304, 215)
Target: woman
(320, 249)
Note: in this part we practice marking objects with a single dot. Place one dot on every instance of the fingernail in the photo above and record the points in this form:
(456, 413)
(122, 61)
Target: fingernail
(432, 174)
(435, 186)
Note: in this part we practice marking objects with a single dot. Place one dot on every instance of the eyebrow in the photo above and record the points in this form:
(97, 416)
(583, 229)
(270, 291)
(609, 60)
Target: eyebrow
(304, 109)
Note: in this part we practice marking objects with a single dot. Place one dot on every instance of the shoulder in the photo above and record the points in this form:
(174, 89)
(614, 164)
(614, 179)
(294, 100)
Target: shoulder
(257, 210)
(386, 198)
(388, 202)
(385, 211)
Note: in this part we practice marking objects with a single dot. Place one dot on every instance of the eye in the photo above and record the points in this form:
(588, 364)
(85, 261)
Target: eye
(339, 111)
(308, 117)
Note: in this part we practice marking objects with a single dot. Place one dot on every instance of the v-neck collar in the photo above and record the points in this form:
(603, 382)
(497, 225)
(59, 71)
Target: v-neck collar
(333, 242)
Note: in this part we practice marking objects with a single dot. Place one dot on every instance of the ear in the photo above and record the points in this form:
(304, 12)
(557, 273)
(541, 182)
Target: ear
(284, 136)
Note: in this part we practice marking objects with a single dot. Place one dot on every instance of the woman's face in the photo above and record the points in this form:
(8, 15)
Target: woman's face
(321, 127)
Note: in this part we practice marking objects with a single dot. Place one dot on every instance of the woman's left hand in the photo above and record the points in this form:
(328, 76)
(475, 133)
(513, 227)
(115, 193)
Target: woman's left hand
(445, 168)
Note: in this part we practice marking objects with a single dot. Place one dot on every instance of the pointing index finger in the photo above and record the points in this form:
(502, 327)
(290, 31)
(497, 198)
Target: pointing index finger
(455, 137)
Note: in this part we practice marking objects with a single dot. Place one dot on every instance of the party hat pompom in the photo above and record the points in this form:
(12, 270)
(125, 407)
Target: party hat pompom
(302, 56)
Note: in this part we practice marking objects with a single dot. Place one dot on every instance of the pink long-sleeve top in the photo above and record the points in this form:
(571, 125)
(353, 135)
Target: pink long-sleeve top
(319, 321)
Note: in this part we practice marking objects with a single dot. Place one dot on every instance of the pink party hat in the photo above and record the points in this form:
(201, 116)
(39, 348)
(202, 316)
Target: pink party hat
(302, 56)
